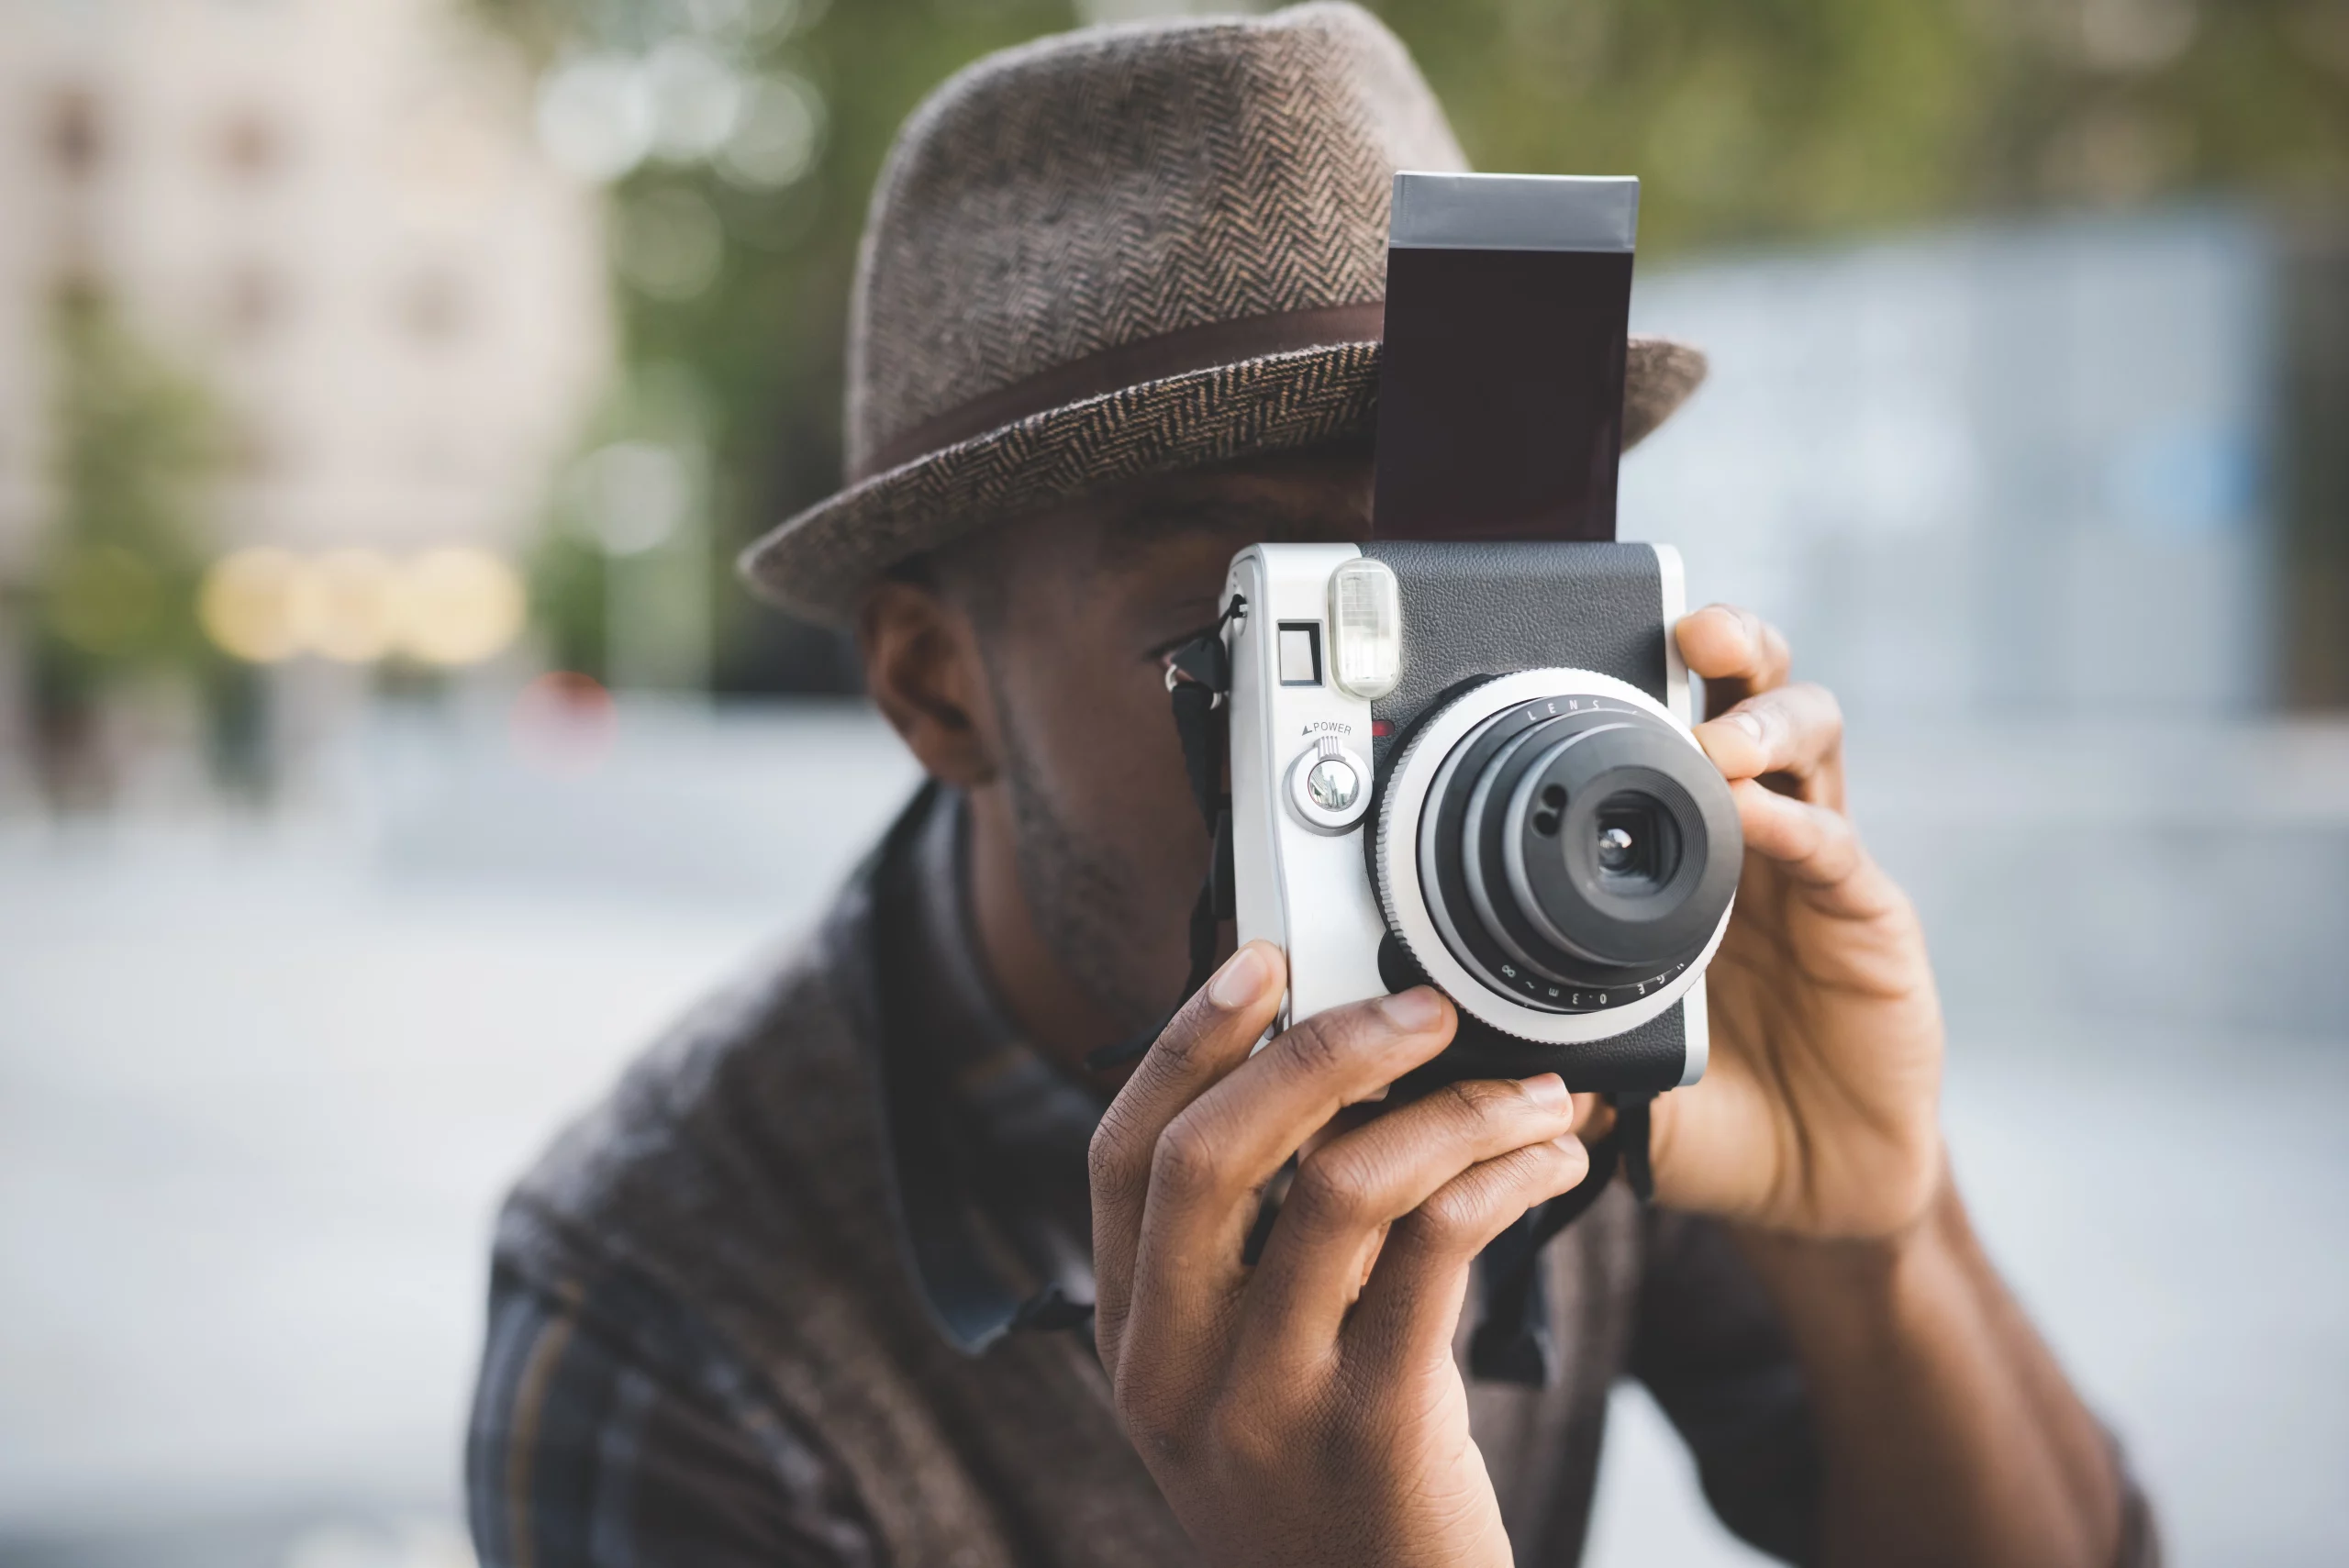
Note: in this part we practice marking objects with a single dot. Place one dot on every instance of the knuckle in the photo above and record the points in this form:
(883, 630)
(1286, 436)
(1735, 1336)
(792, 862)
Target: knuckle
(1318, 1045)
(1184, 1157)
(1453, 1218)
(1177, 1045)
(1240, 1438)
(1826, 708)
(1329, 1192)
(1109, 1158)
(1768, 712)
(1148, 1420)
(1489, 1101)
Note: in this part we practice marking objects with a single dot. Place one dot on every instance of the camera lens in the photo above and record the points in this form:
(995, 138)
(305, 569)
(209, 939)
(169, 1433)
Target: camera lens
(1581, 850)
(1619, 845)
(1637, 850)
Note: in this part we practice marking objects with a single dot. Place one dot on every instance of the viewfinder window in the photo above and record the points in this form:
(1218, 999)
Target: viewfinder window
(1300, 653)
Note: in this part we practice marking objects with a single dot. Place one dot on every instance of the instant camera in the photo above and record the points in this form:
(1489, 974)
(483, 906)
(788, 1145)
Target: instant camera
(1460, 748)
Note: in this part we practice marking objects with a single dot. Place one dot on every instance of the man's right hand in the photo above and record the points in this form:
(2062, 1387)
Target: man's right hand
(1307, 1410)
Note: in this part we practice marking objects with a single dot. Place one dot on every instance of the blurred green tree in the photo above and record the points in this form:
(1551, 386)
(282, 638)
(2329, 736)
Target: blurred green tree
(1746, 119)
(1751, 119)
(113, 594)
(734, 273)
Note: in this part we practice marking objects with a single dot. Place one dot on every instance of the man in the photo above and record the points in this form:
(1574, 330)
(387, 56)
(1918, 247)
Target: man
(1116, 317)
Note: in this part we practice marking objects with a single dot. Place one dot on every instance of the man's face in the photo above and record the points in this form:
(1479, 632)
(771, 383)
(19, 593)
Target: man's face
(1108, 845)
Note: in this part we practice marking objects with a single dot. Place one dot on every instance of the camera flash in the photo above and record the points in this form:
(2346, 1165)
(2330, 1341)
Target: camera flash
(1365, 627)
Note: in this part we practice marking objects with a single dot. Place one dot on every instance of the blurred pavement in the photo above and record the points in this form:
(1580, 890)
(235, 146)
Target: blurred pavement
(261, 1083)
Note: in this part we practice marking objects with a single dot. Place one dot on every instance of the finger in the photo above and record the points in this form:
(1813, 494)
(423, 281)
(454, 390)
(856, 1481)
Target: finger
(1822, 851)
(1878, 949)
(1346, 1193)
(1210, 1036)
(1818, 846)
(1791, 738)
(1208, 1170)
(1410, 1308)
(1736, 652)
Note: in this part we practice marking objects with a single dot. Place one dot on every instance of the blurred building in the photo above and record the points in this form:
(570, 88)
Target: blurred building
(332, 218)
(2058, 470)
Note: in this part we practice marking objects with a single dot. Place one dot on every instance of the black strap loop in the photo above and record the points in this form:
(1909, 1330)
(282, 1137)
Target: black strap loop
(1511, 1343)
(1631, 1133)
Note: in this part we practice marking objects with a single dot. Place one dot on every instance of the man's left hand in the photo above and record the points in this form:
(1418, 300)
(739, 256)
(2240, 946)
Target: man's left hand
(1818, 1114)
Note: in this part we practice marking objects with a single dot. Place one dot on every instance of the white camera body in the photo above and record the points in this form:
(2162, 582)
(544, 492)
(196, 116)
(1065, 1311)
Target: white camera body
(1470, 765)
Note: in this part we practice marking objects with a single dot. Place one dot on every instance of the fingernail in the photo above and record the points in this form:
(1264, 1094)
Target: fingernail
(1747, 725)
(1415, 1009)
(1547, 1089)
(1241, 979)
(1572, 1145)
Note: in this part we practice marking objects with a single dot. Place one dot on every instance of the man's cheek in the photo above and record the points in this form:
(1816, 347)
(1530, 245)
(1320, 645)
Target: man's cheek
(1123, 784)
(1112, 731)
(1133, 797)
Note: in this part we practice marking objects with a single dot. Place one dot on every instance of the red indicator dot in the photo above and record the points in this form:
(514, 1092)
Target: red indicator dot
(1380, 727)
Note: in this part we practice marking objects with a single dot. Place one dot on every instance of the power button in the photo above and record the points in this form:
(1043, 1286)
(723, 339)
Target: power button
(1329, 785)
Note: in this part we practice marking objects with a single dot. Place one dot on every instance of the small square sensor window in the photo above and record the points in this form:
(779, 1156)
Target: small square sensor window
(1300, 653)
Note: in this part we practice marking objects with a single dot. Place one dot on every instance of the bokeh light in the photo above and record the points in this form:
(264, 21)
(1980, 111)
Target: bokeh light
(458, 605)
(781, 130)
(247, 605)
(695, 99)
(347, 606)
(631, 497)
(596, 116)
(563, 722)
(452, 605)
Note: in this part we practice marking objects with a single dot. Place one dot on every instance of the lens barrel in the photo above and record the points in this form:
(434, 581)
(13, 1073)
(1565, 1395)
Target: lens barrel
(1578, 852)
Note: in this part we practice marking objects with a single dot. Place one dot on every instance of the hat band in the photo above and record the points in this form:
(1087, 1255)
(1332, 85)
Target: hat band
(1205, 347)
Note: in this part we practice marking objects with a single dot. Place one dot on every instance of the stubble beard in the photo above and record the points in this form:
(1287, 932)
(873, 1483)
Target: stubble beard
(1086, 897)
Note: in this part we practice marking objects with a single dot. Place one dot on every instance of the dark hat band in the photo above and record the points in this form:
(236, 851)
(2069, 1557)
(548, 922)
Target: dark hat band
(1204, 347)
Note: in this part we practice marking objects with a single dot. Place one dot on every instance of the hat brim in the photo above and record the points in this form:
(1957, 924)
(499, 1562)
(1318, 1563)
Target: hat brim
(818, 563)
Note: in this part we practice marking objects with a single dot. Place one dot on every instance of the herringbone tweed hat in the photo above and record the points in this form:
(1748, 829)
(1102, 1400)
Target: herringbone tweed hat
(1123, 251)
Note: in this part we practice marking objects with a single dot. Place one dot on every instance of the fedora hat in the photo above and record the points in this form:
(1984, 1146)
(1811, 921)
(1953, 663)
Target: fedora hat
(1124, 251)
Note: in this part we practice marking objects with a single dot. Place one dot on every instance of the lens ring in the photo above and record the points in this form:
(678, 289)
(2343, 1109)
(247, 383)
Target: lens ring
(1501, 912)
(1481, 887)
(1408, 845)
(1450, 903)
(1484, 932)
(1557, 880)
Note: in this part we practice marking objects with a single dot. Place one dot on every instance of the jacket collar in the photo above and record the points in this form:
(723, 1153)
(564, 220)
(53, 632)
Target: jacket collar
(886, 971)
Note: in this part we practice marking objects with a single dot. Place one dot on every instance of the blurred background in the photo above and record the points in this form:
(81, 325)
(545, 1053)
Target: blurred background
(385, 386)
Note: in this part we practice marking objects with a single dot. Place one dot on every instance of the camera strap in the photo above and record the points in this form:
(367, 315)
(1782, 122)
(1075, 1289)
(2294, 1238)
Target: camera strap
(1512, 1341)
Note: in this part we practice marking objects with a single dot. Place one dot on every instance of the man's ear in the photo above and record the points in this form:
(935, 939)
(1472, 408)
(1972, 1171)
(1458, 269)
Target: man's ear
(924, 669)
